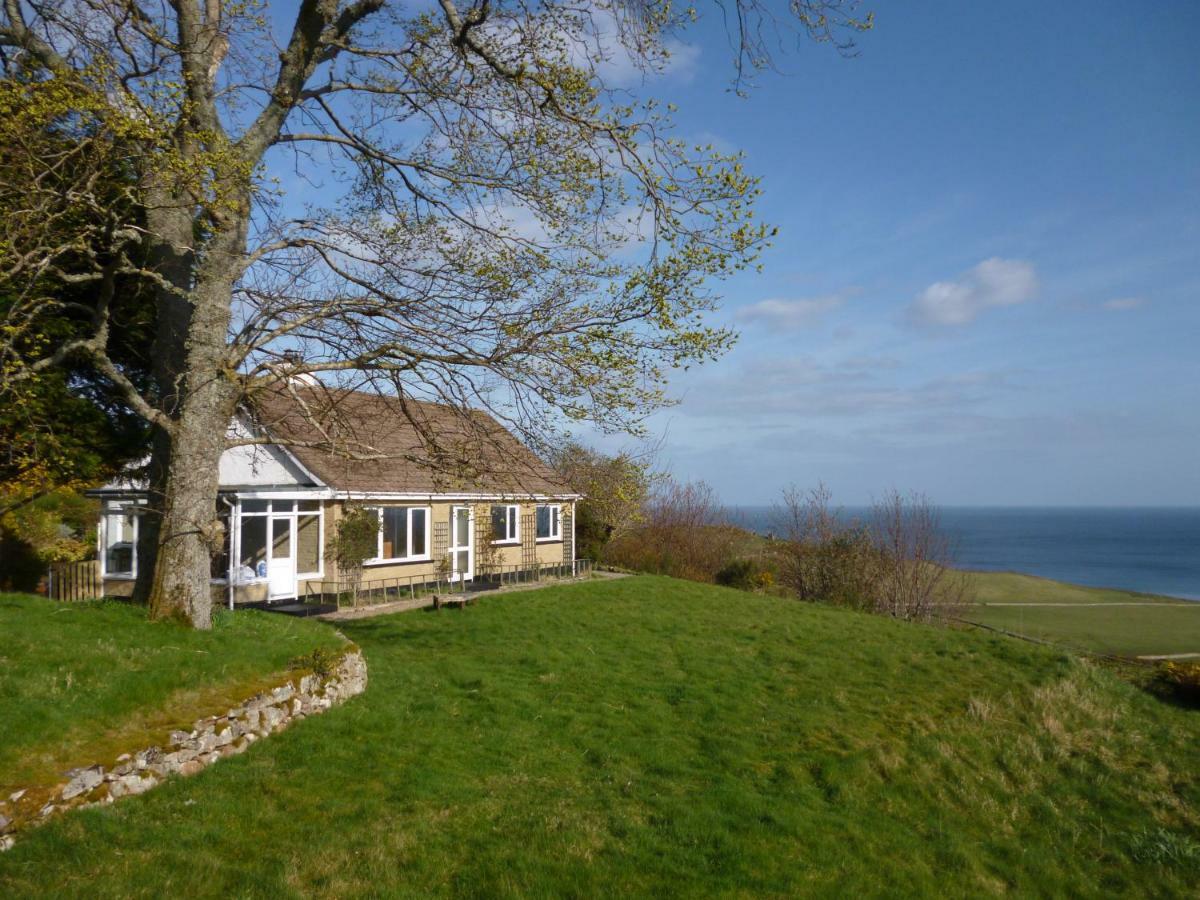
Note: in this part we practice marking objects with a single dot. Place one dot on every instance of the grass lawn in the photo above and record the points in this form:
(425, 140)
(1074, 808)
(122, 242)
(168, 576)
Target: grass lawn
(1096, 619)
(80, 683)
(654, 737)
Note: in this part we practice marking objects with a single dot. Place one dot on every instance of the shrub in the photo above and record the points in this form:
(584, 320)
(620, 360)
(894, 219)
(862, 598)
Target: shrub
(1180, 679)
(683, 534)
(917, 578)
(740, 574)
(825, 557)
(745, 575)
(898, 563)
(321, 662)
(352, 543)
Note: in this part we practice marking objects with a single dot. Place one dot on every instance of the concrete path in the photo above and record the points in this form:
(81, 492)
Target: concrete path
(383, 609)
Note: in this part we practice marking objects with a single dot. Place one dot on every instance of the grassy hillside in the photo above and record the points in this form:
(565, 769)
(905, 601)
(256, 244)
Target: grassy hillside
(1097, 619)
(1014, 587)
(82, 682)
(650, 736)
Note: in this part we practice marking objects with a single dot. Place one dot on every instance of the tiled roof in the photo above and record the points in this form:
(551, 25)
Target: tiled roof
(366, 442)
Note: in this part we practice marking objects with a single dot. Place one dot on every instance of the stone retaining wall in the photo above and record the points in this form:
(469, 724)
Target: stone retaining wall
(187, 752)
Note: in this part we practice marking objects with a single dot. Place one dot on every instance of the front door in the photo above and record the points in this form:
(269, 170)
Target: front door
(462, 550)
(281, 565)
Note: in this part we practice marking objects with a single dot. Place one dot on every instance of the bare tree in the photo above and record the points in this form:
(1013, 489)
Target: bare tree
(898, 562)
(489, 224)
(917, 578)
(824, 556)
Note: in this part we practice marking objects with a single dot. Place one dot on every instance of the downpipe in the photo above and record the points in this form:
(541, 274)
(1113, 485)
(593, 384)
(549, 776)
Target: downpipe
(229, 560)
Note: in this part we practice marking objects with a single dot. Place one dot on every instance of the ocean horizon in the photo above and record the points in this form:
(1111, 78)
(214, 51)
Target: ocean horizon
(1153, 550)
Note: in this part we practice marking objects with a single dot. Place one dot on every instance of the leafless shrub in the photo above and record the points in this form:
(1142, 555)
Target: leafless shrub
(684, 534)
(823, 556)
(897, 563)
(917, 579)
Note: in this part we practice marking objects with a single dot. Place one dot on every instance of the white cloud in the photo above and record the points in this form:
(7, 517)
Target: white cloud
(787, 389)
(790, 314)
(607, 43)
(1124, 304)
(994, 282)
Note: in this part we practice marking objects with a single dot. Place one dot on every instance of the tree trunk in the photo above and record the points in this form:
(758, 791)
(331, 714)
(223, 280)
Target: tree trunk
(189, 528)
(171, 255)
(150, 516)
(180, 588)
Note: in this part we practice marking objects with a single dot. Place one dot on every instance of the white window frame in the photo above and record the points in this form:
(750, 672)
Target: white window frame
(513, 517)
(380, 559)
(320, 514)
(555, 523)
(117, 509)
(292, 510)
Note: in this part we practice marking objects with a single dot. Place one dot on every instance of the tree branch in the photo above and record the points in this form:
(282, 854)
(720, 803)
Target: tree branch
(315, 28)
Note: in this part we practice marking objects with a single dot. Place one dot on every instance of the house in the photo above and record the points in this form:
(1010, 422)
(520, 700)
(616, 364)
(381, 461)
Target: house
(457, 498)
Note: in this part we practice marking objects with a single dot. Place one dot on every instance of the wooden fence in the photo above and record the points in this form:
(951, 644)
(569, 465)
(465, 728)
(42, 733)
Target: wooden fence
(74, 581)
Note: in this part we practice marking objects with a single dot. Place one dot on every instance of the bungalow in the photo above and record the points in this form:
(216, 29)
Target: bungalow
(457, 497)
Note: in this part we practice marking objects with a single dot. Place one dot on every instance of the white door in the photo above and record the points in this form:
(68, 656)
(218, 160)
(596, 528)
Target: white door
(462, 548)
(281, 563)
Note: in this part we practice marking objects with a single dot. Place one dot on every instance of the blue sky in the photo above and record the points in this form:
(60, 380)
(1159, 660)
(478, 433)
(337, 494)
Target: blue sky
(986, 279)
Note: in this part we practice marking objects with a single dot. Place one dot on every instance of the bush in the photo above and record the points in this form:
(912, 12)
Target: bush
(745, 575)
(322, 662)
(683, 534)
(897, 563)
(352, 543)
(1180, 679)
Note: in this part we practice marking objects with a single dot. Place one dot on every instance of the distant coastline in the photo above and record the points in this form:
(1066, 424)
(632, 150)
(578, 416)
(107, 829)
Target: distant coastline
(1153, 550)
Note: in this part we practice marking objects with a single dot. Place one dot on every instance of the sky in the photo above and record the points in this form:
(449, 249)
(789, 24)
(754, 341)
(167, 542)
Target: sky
(986, 281)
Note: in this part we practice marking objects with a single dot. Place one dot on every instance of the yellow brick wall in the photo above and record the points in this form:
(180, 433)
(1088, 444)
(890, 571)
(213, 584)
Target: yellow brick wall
(548, 552)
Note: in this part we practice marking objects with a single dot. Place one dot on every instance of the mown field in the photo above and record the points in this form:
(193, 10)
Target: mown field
(647, 736)
(1100, 620)
(81, 683)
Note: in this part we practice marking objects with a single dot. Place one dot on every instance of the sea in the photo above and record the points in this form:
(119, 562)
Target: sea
(1155, 550)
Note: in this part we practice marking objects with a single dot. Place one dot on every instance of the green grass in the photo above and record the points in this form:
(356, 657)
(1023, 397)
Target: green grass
(655, 737)
(1156, 626)
(1013, 587)
(81, 683)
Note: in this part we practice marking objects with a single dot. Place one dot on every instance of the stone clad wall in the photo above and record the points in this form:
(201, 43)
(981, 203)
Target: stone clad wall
(187, 752)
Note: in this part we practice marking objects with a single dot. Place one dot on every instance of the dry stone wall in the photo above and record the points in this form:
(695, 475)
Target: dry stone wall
(187, 752)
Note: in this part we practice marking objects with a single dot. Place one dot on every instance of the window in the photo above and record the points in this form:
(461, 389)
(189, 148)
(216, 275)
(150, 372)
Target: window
(403, 533)
(292, 528)
(505, 529)
(118, 541)
(308, 544)
(252, 559)
(394, 526)
(548, 525)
